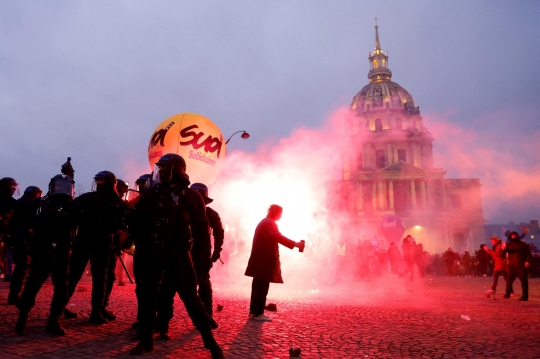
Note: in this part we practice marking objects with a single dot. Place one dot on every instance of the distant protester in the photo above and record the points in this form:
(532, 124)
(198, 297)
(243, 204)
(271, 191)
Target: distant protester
(499, 259)
(482, 261)
(450, 259)
(519, 260)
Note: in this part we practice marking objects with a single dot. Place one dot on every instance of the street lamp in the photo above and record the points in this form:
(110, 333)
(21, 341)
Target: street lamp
(244, 135)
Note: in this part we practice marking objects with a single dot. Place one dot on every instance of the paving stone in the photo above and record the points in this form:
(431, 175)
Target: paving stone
(378, 319)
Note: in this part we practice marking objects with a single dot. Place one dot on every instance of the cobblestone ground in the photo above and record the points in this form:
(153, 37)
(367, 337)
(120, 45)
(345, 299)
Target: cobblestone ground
(378, 319)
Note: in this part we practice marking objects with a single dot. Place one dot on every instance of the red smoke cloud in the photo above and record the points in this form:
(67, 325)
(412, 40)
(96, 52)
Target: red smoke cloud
(294, 172)
(506, 162)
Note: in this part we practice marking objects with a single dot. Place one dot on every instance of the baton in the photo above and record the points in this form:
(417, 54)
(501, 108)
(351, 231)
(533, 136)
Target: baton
(124, 265)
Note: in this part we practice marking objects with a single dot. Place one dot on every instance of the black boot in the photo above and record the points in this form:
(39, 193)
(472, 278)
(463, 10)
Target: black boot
(97, 318)
(211, 344)
(164, 332)
(53, 326)
(68, 314)
(144, 346)
(20, 327)
(107, 314)
(213, 323)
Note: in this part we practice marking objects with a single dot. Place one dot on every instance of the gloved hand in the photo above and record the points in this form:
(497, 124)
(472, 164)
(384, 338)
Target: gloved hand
(215, 256)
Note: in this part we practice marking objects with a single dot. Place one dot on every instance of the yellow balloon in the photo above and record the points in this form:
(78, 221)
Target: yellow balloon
(194, 137)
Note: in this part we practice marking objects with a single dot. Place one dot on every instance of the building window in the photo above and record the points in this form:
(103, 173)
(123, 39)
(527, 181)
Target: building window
(402, 155)
(456, 201)
(379, 154)
(399, 124)
(378, 125)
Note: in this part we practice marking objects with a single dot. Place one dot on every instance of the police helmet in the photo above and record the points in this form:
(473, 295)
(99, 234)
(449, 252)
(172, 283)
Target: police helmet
(32, 192)
(122, 187)
(104, 180)
(9, 185)
(62, 184)
(143, 182)
(203, 190)
(170, 167)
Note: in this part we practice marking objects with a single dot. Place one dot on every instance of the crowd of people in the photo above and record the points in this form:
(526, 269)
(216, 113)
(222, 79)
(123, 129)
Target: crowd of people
(509, 259)
(168, 222)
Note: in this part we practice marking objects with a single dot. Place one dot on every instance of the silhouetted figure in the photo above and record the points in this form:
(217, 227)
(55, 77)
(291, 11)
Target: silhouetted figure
(466, 262)
(162, 223)
(54, 227)
(482, 261)
(519, 259)
(395, 258)
(408, 258)
(264, 265)
(20, 232)
(450, 259)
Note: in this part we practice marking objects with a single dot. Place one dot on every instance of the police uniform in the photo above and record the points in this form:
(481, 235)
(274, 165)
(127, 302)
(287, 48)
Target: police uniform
(102, 217)
(55, 226)
(162, 224)
(20, 234)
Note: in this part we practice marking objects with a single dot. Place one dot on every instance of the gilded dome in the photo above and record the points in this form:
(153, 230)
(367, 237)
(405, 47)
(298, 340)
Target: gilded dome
(381, 93)
(384, 95)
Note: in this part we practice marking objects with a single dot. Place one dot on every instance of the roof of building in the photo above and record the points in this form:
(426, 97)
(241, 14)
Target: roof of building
(381, 93)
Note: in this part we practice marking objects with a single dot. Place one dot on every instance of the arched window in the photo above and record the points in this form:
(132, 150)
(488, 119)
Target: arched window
(378, 125)
(399, 124)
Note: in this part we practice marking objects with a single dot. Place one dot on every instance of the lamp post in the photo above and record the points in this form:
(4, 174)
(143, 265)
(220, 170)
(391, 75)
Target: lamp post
(244, 135)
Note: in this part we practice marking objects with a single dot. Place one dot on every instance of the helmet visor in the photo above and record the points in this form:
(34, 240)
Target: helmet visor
(62, 187)
(162, 173)
(97, 182)
(15, 190)
(131, 195)
(122, 190)
(142, 184)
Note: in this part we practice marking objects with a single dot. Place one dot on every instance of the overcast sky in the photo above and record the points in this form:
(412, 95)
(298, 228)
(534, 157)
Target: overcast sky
(93, 79)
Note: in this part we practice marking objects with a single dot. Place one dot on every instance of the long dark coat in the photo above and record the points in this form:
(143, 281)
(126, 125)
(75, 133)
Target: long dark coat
(264, 260)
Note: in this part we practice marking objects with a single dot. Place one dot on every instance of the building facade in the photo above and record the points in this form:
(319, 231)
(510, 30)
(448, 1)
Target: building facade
(388, 169)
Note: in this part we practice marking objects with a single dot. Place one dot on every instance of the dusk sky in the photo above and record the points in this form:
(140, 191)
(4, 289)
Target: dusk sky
(93, 79)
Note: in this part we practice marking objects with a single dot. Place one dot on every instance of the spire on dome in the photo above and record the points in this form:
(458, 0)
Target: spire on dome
(379, 61)
(377, 42)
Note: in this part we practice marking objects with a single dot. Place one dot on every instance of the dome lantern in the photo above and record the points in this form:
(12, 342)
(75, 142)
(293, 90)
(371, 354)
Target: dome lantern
(379, 62)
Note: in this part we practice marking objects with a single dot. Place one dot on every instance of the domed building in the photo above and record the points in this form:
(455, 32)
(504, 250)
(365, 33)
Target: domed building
(389, 170)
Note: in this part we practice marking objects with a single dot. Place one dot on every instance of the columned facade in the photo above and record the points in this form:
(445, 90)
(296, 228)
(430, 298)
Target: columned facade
(388, 168)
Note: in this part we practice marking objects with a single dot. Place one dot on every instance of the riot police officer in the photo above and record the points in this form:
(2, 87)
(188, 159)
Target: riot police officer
(55, 223)
(203, 259)
(20, 231)
(122, 188)
(201, 250)
(8, 187)
(103, 215)
(162, 224)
